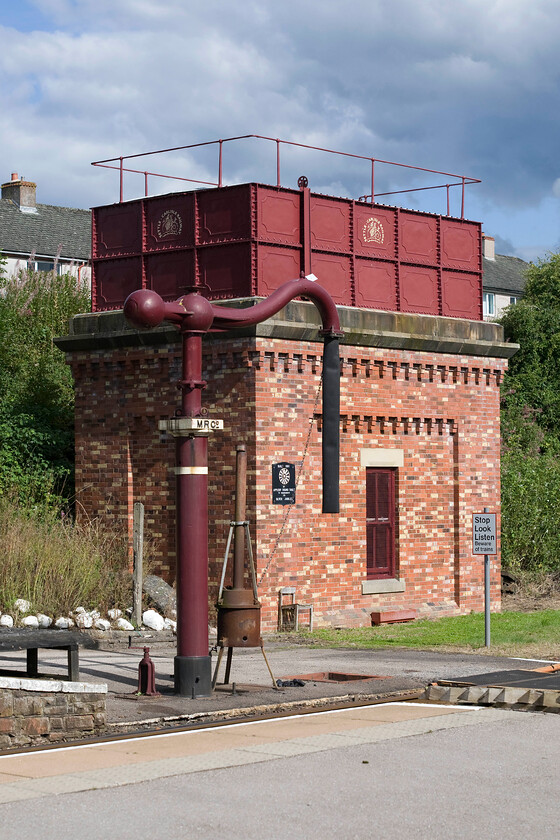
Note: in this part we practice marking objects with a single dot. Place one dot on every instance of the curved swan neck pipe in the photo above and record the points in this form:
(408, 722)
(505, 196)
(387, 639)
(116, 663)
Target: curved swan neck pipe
(225, 318)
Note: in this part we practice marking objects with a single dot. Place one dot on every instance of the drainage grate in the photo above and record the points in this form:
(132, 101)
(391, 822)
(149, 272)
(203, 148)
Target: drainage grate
(335, 677)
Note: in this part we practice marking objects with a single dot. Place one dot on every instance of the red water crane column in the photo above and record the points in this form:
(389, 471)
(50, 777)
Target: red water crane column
(194, 315)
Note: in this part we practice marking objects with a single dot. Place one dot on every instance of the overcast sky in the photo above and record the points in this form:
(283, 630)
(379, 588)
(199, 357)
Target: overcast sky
(469, 87)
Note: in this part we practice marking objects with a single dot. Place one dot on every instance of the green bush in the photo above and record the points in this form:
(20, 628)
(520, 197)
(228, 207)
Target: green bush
(530, 505)
(36, 389)
(530, 420)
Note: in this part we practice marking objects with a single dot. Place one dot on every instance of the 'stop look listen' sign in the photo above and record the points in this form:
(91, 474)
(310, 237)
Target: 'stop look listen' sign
(484, 533)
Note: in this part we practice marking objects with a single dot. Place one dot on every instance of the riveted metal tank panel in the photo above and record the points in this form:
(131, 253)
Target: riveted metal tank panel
(330, 225)
(460, 245)
(375, 284)
(419, 289)
(375, 231)
(274, 262)
(418, 238)
(461, 295)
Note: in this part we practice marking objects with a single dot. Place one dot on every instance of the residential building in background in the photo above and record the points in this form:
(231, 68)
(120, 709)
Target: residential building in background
(42, 236)
(503, 279)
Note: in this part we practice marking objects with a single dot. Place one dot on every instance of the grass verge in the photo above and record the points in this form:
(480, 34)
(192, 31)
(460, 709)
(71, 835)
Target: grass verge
(522, 634)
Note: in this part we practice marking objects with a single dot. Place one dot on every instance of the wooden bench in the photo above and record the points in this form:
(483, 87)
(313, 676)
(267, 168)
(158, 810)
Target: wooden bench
(31, 640)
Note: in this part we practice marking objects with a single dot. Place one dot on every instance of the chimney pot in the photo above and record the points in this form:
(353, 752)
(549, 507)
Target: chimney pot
(21, 193)
(488, 247)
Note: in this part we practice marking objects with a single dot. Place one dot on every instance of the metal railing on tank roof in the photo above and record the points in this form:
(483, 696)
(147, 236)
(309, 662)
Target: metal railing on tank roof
(120, 164)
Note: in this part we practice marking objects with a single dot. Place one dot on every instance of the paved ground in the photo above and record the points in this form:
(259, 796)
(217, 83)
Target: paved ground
(390, 771)
(394, 671)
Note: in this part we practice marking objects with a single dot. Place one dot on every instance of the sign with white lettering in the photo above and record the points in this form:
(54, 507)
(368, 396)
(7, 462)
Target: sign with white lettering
(283, 484)
(484, 533)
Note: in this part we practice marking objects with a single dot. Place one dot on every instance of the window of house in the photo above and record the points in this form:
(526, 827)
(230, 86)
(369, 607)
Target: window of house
(380, 522)
(512, 300)
(44, 266)
(488, 304)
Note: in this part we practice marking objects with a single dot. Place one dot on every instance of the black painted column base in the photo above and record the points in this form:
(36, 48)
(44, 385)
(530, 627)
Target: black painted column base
(193, 676)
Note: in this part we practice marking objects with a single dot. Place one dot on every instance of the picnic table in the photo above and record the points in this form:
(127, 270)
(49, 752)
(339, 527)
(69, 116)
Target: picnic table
(31, 640)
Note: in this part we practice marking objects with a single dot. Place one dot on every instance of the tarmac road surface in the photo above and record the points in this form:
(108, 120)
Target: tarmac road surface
(392, 771)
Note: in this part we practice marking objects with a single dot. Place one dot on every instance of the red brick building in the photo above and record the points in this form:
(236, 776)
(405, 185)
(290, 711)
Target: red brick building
(420, 377)
(420, 444)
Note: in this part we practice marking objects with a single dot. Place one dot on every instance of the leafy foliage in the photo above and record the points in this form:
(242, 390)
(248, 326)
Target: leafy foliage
(36, 391)
(531, 424)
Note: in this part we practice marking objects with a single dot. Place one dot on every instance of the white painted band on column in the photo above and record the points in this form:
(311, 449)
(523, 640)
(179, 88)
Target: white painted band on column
(191, 470)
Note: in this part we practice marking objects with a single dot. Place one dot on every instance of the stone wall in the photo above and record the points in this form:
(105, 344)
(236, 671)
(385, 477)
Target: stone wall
(34, 712)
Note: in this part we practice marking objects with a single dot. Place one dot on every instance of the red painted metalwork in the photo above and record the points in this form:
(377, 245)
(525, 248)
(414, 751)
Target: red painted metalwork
(464, 179)
(240, 241)
(147, 676)
(195, 316)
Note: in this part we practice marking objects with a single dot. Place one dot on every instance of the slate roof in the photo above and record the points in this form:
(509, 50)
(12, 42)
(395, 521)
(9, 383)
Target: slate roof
(41, 233)
(504, 275)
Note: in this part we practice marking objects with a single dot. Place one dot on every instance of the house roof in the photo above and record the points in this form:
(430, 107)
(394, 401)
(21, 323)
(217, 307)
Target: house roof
(45, 231)
(506, 275)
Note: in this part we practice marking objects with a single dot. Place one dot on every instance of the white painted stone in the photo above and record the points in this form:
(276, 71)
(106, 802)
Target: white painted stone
(95, 614)
(6, 620)
(114, 614)
(84, 621)
(30, 621)
(79, 610)
(63, 623)
(123, 624)
(102, 624)
(22, 606)
(44, 620)
(169, 624)
(52, 686)
(153, 620)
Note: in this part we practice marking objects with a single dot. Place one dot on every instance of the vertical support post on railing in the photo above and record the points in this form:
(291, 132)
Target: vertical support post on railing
(121, 179)
(278, 163)
(447, 186)
(220, 144)
(463, 197)
(372, 181)
(138, 561)
(146, 184)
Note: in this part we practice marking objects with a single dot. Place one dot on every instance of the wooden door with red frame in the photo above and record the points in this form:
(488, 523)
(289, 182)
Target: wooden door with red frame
(380, 522)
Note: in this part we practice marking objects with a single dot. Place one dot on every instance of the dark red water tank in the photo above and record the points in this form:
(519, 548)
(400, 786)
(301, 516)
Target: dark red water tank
(247, 240)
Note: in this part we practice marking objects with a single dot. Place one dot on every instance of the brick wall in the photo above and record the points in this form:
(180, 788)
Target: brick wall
(419, 389)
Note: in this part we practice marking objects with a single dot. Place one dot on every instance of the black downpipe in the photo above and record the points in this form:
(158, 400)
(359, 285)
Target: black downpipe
(331, 424)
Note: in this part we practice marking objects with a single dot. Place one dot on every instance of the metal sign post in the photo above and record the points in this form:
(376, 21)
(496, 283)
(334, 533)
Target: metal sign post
(485, 542)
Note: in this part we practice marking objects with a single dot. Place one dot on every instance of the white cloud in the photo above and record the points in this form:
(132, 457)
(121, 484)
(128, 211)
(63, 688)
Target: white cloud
(465, 87)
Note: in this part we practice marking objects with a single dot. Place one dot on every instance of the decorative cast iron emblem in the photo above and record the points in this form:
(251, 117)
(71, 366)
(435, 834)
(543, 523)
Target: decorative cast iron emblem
(373, 231)
(284, 475)
(170, 224)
